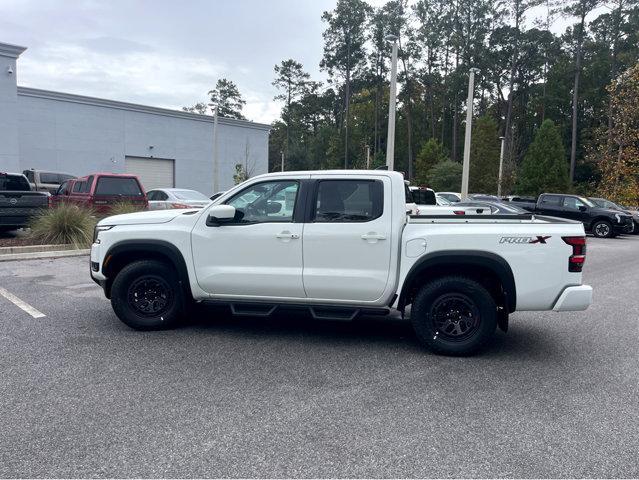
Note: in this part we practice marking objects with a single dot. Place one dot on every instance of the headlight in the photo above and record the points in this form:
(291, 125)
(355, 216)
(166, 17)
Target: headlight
(618, 218)
(98, 229)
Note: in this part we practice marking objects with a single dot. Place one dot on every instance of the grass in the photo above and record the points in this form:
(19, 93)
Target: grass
(65, 224)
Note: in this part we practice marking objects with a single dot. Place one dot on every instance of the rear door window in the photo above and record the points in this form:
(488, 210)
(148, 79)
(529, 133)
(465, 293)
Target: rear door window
(551, 200)
(118, 186)
(349, 200)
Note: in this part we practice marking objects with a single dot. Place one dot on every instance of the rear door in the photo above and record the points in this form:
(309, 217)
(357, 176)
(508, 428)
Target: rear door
(347, 239)
(551, 205)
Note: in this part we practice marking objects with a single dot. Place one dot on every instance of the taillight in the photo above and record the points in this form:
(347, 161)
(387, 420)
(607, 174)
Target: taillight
(459, 212)
(50, 201)
(180, 205)
(578, 257)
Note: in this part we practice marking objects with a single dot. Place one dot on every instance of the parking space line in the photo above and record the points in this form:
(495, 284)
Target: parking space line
(20, 304)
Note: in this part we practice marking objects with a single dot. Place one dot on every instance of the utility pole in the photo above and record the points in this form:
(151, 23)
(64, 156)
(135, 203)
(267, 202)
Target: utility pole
(216, 173)
(469, 126)
(501, 166)
(390, 142)
(282, 160)
(368, 157)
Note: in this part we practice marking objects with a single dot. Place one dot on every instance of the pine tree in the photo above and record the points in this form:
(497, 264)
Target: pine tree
(431, 153)
(227, 98)
(544, 168)
(484, 156)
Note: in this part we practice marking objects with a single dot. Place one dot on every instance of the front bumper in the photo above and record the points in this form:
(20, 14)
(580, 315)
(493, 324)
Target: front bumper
(574, 299)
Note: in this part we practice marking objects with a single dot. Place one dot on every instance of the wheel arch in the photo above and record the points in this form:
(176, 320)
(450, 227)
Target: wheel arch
(127, 251)
(489, 268)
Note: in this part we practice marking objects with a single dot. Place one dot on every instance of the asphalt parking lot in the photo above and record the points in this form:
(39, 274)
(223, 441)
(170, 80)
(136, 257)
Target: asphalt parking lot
(82, 395)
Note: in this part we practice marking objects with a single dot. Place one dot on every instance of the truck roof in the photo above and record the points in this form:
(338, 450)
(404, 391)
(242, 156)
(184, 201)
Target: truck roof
(375, 173)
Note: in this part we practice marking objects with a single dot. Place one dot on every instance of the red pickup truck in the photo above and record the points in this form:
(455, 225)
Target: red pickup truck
(100, 191)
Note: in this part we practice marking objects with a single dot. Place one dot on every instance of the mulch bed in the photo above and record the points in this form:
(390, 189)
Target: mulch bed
(16, 239)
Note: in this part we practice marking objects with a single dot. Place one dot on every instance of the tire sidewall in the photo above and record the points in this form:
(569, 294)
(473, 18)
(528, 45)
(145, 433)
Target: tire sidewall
(128, 315)
(424, 325)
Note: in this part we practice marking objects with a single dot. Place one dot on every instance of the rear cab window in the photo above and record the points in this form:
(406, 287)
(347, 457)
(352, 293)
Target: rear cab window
(118, 186)
(14, 183)
(551, 200)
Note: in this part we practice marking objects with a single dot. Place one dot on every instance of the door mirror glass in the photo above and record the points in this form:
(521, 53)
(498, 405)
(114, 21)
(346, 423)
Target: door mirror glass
(219, 214)
(273, 207)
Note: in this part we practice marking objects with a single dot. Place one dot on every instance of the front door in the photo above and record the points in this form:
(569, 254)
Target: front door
(260, 252)
(347, 240)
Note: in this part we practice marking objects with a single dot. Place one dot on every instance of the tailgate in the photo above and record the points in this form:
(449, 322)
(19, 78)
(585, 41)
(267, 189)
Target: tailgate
(19, 200)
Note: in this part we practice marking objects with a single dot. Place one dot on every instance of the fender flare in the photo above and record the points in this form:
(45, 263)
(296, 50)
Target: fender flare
(155, 248)
(488, 260)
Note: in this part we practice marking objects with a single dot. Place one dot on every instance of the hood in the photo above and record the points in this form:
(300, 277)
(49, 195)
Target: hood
(610, 211)
(144, 218)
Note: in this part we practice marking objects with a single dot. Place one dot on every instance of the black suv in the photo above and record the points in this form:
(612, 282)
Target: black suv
(601, 222)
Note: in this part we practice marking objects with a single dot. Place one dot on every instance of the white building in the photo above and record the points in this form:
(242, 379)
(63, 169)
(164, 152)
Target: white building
(80, 135)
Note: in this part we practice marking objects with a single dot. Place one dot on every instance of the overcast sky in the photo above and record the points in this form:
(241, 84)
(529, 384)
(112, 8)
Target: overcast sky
(164, 53)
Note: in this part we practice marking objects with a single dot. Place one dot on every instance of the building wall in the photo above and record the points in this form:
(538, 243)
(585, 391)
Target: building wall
(9, 150)
(81, 135)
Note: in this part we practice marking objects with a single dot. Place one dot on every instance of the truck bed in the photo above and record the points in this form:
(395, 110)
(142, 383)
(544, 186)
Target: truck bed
(528, 218)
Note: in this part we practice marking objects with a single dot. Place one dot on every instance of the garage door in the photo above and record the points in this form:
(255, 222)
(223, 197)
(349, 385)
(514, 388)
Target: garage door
(153, 172)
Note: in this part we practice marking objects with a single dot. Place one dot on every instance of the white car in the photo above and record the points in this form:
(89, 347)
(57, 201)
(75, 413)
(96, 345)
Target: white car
(452, 197)
(168, 198)
(340, 244)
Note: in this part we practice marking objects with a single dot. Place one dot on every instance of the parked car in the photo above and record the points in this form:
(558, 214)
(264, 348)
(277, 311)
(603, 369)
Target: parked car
(164, 198)
(18, 203)
(527, 203)
(45, 181)
(441, 201)
(450, 196)
(495, 208)
(484, 197)
(100, 191)
(343, 247)
(603, 203)
(601, 222)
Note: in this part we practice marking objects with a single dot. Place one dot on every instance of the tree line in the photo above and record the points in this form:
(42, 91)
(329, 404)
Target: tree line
(550, 96)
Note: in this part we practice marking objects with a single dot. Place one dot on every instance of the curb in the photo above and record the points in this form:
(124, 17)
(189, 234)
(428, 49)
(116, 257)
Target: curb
(35, 248)
(47, 254)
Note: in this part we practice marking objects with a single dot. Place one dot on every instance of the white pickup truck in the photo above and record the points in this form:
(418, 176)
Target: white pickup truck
(340, 244)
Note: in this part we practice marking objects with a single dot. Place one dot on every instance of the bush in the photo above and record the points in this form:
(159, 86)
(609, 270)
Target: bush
(65, 224)
(431, 153)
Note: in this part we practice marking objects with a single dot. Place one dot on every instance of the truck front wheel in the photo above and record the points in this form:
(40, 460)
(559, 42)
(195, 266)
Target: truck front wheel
(454, 315)
(146, 295)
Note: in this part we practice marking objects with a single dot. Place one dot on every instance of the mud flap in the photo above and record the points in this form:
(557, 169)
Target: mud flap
(502, 319)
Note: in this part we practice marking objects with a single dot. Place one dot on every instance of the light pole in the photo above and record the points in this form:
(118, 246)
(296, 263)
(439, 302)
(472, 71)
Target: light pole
(390, 142)
(368, 157)
(469, 126)
(216, 180)
(282, 152)
(501, 166)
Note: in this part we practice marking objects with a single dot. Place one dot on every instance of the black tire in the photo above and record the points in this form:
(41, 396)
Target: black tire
(602, 229)
(146, 295)
(454, 316)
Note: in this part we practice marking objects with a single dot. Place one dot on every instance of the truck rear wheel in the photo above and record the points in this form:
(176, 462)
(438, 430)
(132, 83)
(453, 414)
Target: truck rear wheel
(146, 295)
(454, 315)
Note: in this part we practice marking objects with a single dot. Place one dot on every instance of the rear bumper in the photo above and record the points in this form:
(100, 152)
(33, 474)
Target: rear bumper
(574, 299)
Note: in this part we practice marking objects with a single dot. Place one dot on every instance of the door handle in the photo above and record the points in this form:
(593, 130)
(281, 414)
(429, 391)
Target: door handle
(373, 236)
(294, 236)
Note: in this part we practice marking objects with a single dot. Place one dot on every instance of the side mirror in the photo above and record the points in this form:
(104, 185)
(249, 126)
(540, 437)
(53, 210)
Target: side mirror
(273, 207)
(219, 214)
(582, 208)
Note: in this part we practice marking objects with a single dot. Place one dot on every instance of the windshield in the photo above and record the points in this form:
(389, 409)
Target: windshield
(190, 195)
(15, 183)
(600, 202)
(587, 202)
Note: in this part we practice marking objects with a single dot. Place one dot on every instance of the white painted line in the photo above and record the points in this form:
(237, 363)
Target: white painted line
(20, 304)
